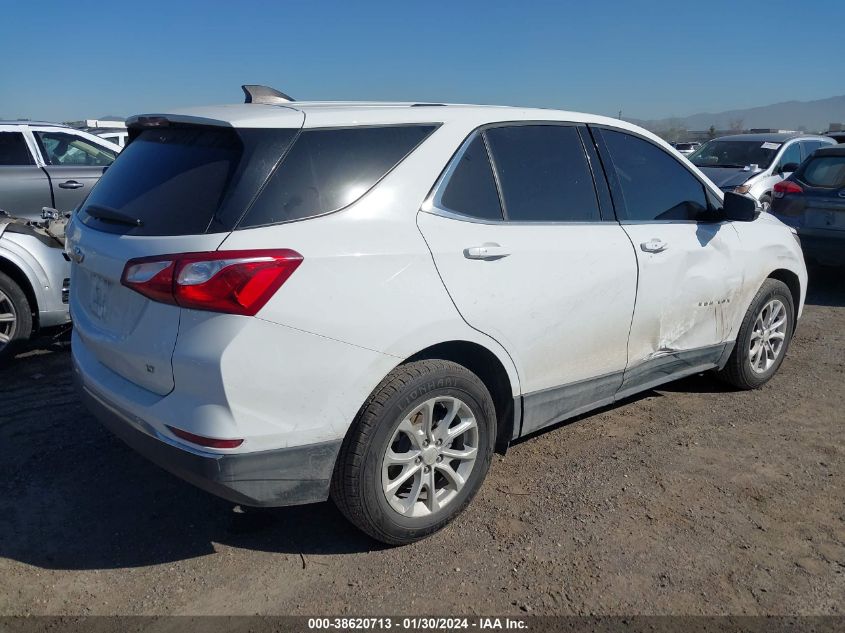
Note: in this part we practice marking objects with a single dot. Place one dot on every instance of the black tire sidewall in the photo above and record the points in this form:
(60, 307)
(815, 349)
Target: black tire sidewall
(438, 383)
(771, 290)
(23, 328)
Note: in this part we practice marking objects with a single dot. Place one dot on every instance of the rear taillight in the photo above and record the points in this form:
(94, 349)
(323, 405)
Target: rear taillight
(235, 282)
(787, 186)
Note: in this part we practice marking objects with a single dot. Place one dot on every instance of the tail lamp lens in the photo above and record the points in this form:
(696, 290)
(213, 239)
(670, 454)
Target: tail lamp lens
(234, 282)
(786, 186)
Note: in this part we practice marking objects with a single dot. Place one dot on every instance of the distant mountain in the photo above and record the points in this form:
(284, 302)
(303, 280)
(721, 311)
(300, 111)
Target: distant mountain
(814, 116)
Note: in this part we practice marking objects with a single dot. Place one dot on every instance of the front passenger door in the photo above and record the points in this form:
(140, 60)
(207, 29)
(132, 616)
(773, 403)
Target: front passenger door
(689, 275)
(74, 165)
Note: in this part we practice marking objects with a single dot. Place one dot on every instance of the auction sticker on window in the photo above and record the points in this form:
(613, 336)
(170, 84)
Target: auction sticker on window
(768, 145)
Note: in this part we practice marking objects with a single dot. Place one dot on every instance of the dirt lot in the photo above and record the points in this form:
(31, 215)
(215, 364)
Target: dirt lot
(688, 499)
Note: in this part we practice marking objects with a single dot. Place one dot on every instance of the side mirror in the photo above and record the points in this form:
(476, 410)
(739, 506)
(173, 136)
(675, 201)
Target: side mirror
(739, 208)
(788, 168)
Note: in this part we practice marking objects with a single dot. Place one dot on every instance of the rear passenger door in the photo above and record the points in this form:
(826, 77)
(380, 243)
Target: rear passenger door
(521, 236)
(689, 271)
(24, 188)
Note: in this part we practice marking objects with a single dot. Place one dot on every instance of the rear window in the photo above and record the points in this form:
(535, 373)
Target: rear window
(328, 169)
(171, 181)
(189, 180)
(825, 171)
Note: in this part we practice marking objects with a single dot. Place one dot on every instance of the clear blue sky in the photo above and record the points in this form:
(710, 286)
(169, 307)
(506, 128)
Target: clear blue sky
(72, 60)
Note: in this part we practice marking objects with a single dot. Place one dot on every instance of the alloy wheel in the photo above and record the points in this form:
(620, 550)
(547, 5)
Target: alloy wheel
(768, 336)
(8, 320)
(430, 457)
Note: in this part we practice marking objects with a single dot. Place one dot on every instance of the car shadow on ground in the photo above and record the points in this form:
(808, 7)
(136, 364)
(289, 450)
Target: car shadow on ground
(75, 497)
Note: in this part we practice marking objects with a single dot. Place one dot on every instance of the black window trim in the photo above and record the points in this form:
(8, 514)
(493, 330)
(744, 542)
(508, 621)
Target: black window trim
(710, 193)
(434, 204)
(434, 125)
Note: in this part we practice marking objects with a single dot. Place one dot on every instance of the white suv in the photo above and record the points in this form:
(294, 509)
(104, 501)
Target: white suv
(285, 301)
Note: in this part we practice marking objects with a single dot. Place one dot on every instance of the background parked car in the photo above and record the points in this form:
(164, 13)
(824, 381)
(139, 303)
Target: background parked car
(752, 164)
(48, 165)
(34, 277)
(686, 148)
(812, 200)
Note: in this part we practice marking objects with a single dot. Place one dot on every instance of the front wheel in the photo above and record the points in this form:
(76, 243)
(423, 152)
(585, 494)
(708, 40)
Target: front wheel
(763, 337)
(766, 203)
(417, 452)
(15, 315)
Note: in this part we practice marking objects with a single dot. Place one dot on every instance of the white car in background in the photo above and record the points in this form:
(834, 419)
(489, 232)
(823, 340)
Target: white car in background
(284, 301)
(752, 164)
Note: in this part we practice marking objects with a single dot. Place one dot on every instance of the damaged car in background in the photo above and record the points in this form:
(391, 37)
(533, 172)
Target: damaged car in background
(752, 164)
(34, 276)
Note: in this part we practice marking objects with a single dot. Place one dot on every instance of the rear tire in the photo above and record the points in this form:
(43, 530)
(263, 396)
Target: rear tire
(417, 452)
(763, 340)
(15, 316)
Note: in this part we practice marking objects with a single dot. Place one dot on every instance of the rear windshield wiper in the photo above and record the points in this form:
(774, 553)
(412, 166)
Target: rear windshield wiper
(107, 214)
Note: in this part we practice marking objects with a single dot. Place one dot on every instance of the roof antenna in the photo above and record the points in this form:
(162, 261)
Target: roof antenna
(255, 93)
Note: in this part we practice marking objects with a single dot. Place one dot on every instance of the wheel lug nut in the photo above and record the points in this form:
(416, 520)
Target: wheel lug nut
(425, 442)
(438, 442)
(417, 460)
(440, 458)
(426, 469)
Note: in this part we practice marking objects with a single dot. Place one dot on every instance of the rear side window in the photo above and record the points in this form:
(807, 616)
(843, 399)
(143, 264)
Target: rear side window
(655, 186)
(471, 189)
(13, 149)
(328, 169)
(543, 173)
(825, 171)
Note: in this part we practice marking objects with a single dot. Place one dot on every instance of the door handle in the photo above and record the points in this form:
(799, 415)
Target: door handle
(654, 245)
(71, 184)
(487, 252)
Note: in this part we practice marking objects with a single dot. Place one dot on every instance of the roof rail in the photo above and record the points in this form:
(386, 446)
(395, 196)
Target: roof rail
(256, 93)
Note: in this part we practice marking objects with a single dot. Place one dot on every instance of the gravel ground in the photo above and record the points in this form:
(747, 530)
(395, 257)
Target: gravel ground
(689, 499)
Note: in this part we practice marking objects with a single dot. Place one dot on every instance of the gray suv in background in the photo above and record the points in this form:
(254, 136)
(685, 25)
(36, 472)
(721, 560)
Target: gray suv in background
(752, 164)
(48, 165)
(41, 165)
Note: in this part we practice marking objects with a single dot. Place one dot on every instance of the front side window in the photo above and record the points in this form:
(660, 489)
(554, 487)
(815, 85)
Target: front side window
(810, 147)
(328, 169)
(543, 174)
(13, 149)
(653, 184)
(61, 148)
(471, 189)
(791, 154)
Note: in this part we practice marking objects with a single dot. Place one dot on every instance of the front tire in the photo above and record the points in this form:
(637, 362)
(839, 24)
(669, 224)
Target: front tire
(417, 452)
(763, 337)
(15, 316)
(766, 203)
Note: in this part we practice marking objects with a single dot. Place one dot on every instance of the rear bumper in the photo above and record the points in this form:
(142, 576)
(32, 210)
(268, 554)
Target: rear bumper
(279, 477)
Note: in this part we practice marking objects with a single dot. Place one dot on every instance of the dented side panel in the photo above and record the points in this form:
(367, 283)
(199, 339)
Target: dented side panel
(688, 293)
